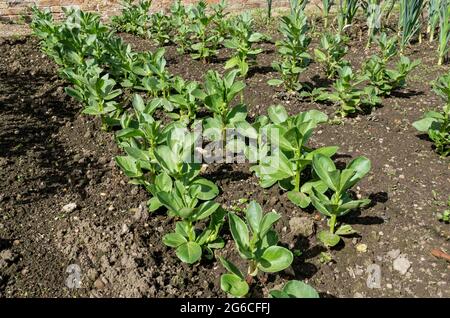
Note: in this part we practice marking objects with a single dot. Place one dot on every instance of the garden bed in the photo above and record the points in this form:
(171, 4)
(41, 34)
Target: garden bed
(51, 156)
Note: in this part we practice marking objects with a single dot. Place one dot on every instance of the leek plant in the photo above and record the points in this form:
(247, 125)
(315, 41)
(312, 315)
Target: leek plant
(373, 13)
(409, 20)
(433, 17)
(326, 7)
(347, 12)
(444, 32)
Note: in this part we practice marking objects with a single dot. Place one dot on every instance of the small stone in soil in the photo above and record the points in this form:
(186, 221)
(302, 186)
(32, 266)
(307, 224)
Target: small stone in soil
(99, 284)
(402, 264)
(69, 208)
(393, 253)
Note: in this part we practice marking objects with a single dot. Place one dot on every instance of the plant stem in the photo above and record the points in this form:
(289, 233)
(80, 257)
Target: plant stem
(297, 177)
(253, 268)
(333, 223)
(190, 231)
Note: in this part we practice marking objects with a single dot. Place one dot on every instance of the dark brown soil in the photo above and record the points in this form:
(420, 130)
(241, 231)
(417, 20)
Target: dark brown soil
(51, 155)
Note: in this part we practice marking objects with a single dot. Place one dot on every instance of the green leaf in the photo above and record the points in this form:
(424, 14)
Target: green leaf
(231, 267)
(351, 205)
(279, 294)
(267, 221)
(253, 214)
(189, 252)
(129, 166)
(324, 167)
(345, 230)
(275, 259)
(164, 182)
(298, 198)
(233, 62)
(361, 166)
(74, 93)
(208, 189)
(246, 130)
(174, 239)
(424, 124)
(240, 234)
(153, 204)
(138, 103)
(277, 114)
(298, 289)
(204, 210)
(275, 82)
(167, 159)
(320, 55)
(319, 204)
(329, 239)
(234, 285)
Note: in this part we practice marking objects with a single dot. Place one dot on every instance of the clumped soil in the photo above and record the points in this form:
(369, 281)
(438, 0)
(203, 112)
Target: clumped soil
(51, 155)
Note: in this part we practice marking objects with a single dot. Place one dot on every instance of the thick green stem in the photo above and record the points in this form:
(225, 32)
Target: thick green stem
(297, 177)
(333, 223)
(190, 231)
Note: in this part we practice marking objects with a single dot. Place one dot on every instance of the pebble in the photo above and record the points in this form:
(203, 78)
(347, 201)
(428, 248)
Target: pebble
(6, 255)
(374, 276)
(362, 248)
(99, 284)
(402, 264)
(303, 226)
(393, 253)
(68, 208)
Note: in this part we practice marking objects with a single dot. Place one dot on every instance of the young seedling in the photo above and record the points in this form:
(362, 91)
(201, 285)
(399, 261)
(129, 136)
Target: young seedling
(220, 93)
(242, 39)
(187, 99)
(445, 216)
(220, 19)
(134, 18)
(186, 196)
(376, 70)
(97, 92)
(160, 28)
(256, 242)
(181, 24)
(437, 124)
(190, 242)
(293, 157)
(331, 53)
(121, 59)
(293, 51)
(153, 76)
(340, 202)
(347, 95)
(295, 289)
(140, 135)
(206, 37)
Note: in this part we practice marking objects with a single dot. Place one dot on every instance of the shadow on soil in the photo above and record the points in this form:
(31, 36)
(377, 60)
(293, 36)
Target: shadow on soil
(32, 110)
